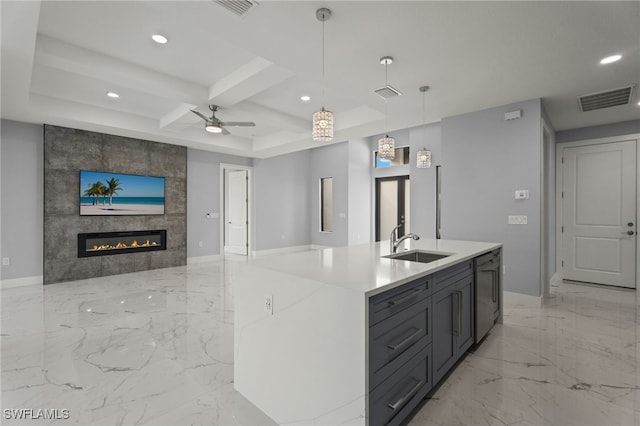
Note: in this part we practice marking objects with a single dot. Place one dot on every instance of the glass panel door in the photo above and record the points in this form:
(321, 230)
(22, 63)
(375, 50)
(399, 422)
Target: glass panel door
(392, 206)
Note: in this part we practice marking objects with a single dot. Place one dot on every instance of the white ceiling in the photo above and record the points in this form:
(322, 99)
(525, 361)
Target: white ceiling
(60, 58)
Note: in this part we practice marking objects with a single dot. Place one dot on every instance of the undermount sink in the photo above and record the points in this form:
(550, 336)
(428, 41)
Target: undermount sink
(418, 256)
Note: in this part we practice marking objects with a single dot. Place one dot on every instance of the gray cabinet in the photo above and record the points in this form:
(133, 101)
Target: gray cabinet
(400, 334)
(453, 317)
(417, 332)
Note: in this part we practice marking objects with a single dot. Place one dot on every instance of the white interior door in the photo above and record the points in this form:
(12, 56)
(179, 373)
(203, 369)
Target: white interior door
(599, 213)
(236, 209)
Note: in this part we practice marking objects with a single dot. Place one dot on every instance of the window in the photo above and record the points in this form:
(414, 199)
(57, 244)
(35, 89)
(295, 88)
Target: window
(326, 204)
(402, 157)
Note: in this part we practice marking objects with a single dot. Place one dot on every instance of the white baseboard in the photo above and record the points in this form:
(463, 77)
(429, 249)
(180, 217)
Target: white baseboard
(319, 247)
(203, 259)
(282, 250)
(21, 282)
(511, 298)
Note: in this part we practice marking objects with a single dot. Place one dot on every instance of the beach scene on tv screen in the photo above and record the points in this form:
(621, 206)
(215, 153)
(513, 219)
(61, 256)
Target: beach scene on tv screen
(120, 194)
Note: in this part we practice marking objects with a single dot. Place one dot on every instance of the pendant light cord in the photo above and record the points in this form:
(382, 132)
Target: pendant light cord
(424, 117)
(386, 102)
(323, 82)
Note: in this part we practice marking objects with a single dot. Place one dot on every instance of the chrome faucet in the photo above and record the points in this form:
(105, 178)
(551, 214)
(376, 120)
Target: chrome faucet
(395, 241)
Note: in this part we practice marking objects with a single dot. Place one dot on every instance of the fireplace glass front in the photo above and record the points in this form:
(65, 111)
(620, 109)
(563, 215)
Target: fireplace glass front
(105, 243)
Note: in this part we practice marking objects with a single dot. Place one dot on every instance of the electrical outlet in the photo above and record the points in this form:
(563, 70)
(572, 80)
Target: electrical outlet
(200, 244)
(268, 304)
(6, 261)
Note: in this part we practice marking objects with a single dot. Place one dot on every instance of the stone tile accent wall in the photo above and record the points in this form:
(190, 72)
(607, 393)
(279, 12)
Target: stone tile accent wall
(66, 152)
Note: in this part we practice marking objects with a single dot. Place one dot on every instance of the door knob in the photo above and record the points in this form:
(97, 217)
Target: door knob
(629, 232)
(630, 224)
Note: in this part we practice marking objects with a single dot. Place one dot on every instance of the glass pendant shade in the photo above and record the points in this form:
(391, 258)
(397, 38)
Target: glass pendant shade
(424, 159)
(322, 126)
(387, 148)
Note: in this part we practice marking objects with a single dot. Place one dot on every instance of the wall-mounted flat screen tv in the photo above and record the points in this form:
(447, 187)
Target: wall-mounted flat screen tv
(120, 194)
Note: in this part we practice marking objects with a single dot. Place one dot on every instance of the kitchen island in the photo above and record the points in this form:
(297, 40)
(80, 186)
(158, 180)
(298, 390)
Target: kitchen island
(312, 329)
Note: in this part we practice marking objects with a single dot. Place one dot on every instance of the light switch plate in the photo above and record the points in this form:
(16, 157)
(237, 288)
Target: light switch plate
(517, 220)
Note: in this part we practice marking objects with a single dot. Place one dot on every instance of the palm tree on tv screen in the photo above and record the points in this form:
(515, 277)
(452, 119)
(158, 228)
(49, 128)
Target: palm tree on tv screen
(96, 190)
(112, 188)
(100, 190)
(90, 192)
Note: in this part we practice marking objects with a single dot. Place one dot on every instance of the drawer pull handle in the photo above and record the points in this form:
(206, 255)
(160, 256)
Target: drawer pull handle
(405, 341)
(404, 299)
(401, 401)
(459, 313)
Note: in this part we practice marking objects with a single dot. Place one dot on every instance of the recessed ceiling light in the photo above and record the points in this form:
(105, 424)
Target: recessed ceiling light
(160, 39)
(638, 103)
(611, 59)
(305, 98)
(113, 95)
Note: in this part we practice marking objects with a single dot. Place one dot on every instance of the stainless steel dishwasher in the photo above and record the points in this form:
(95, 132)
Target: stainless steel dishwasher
(487, 292)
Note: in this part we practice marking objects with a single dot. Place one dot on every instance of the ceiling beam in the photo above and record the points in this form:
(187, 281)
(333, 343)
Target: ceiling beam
(253, 77)
(68, 57)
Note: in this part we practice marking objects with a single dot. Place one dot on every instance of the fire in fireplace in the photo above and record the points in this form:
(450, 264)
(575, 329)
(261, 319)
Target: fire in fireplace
(104, 243)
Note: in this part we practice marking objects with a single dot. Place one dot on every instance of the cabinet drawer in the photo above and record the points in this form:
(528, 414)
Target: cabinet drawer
(394, 341)
(393, 301)
(394, 398)
(450, 275)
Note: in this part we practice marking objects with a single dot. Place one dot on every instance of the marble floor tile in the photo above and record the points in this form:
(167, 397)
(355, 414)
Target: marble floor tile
(156, 348)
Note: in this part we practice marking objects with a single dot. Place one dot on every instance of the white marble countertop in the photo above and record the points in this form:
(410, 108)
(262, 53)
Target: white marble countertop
(362, 268)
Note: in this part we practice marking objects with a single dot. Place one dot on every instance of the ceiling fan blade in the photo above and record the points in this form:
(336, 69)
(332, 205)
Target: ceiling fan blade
(200, 115)
(238, 123)
(225, 131)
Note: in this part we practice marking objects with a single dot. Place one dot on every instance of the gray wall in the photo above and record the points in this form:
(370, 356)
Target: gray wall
(203, 189)
(21, 153)
(66, 152)
(485, 159)
(282, 201)
(330, 161)
(359, 194)
(595, 132)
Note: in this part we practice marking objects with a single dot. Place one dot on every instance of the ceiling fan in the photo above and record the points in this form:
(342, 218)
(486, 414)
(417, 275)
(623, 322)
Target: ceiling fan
(213, 125)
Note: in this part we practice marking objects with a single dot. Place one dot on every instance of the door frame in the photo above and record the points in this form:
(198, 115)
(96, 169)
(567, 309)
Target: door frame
(401, 199)
(560, 147)
(547, 140)
(224, 167)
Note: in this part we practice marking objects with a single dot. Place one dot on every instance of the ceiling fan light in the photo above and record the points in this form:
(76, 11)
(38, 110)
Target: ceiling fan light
(322, 126)
(212, 128)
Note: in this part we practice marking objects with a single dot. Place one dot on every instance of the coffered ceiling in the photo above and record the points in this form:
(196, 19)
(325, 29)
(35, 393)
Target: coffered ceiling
(60, 58)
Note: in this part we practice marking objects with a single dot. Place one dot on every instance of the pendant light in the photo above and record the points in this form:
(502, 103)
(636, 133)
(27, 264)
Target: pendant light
(322, 130)
(386, 145)
(423, 160)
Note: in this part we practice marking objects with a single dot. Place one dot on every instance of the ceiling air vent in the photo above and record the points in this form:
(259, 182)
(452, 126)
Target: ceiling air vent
(238, 7)
(606, 99)
(387, 92)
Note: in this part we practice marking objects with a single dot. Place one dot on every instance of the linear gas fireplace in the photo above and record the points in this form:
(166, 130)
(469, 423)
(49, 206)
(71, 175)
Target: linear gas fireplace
(103, 243)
